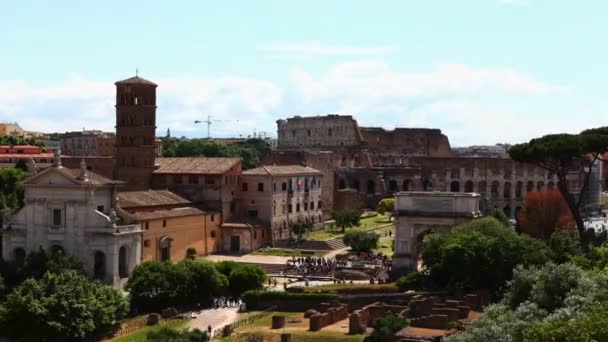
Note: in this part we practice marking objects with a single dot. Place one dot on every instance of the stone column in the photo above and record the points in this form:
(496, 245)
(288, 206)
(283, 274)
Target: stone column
(404, 259)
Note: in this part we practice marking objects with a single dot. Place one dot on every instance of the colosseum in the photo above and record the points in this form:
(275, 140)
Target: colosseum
(361, 165)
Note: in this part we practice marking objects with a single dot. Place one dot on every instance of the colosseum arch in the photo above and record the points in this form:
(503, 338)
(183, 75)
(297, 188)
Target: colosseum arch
(468, 186)
(540, 186)
(406, 186)
(507, 190)
(495, 191)
(392, 185)
(455, 186)
(530, 186)
(371, 187)
(518, 188)
(482, 187)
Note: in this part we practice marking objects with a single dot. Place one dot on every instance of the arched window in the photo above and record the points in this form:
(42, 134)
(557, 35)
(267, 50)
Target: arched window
(550, 185)
(19, 254)
(427, 185)
(495, 190)
(507, 190)
(99, 265)
(507, 211)
(371, 187)
(123, 268)
(406, 185)
(540, 186)
(468, 186)
(518, 188)
(530, 186)
(482, 187)
(341, 183)
(392, 186)
(356, 185)
(164, 246)
(455, 186)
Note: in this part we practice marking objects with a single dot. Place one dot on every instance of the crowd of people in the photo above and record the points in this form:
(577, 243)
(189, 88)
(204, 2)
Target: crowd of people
(226, 302)
(316, 266)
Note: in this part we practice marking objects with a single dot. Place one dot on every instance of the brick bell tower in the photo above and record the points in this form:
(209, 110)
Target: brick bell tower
(135, 132)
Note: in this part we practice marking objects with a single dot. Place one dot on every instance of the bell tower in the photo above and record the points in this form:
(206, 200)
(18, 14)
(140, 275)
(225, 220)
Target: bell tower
(135, 132)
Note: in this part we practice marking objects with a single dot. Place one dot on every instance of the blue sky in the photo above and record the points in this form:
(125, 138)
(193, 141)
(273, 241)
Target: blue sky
(484, 72)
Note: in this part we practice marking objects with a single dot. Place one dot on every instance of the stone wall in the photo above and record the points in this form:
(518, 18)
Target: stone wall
(330, 314)
(318, 132)
(406, 141)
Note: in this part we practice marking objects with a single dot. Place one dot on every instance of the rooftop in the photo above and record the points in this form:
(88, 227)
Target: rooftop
(197, 165)
(150, 198)
(166, 213)
(282, 170)
(135, 80)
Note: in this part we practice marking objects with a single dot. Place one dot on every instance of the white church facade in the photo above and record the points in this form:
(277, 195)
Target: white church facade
(74, 211)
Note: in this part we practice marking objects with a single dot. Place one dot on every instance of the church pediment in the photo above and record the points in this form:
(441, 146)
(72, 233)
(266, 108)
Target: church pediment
(52, 176)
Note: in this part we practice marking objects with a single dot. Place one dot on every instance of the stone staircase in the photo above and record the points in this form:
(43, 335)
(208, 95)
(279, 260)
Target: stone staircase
(335, 244)
(328, 245)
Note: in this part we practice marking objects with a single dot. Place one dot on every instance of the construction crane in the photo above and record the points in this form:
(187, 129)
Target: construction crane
(209, 122)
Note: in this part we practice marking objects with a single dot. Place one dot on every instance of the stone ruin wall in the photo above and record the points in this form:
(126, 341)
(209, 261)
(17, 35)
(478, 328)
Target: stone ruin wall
(405, 142)
(318, 132)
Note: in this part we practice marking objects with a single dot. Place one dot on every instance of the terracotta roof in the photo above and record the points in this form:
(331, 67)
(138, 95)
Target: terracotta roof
(150, 198)
(135, 80)
(278, 170)
(166, 213)
(27, 155)
(197, 165)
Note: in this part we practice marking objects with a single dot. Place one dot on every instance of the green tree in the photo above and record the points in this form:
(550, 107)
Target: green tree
(191, 253)
(360, 241)
(21, 165)
(62, 307)
(173, 335)
(480, 254)
(202, 282)
(346, 218)
(299, 229)
(559, 154)
(564, 246)
(152, 285)
(2, 288)
(499, 215)
(386, 205)
(226, 267)
(385, 328)
(245, 278)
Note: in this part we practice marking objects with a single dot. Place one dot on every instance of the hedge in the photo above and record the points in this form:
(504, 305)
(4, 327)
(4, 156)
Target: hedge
(253, 298)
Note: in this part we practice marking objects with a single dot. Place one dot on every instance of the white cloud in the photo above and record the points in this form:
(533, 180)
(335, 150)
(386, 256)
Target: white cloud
(315, 48)
(471, 105)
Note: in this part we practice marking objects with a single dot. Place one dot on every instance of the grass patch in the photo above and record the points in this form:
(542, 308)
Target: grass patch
(384, 247)
(369, 223)
(352, 288)
(289, 252)
(140, 335)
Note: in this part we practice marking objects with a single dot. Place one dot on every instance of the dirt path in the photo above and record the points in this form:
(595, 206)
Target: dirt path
(217, 318)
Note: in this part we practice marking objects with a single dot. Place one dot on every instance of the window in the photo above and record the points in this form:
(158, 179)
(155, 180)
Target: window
(57, 219)
(261, 187)
(225, 179)
(100, 208)
(290, 209)
(274, 187)
(330, 132)
(193, 179)
(213, 233)
(319, 205)
(164, 223)
(297, 207)
(146, 243)
(312, 205)
(305, 206)
(293, 133)
(262, 233)
(177, 179)
(210, 180)
(147, 225)
(284, 186)
(308, 132)
(252, 213)
(212, 217)
(244, 187)
(255, 234)
(252, 201)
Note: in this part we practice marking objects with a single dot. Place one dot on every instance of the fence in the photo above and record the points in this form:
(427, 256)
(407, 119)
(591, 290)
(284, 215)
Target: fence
(218, 333)
(142, 323)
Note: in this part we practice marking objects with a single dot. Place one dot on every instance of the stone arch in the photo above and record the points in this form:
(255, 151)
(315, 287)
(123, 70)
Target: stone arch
(518, 188)
(341, 184)
(371, 187)
(392, 185)
(468, 186)
(357, 185)
(123, 262)
(540, 186)
(494, 190)
(99, 265)
(506, 190)
(164, 248)
(482, 187)
(427, 185)
(551, 185)
(19, 255)
(455, 186)
(530, 186)
(406, 185)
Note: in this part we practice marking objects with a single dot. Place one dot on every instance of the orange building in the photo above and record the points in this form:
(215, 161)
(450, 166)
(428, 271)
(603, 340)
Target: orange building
(171, 224)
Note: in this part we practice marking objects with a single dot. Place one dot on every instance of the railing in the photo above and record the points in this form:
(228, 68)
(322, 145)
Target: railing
(142, 323)
(218, 333)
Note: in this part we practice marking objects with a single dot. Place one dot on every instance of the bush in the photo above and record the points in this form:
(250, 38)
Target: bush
(499, 215)
(361, 241)
(385, 328)
(412, 281)
(62, 306)
(191, 253)
(564, 246)
(479, 255)
(253, 299)
(245, 278)
(346, 218)
(386, 205)
(174, 335)
(226, 267)
(155, 285)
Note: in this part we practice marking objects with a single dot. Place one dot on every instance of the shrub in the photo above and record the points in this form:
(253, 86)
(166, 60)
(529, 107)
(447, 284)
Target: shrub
(346, 218)
(563, 245)
(245, 278)
(386, 205)
(361, 241)
(411, 281)
(191, 253)
(175, 335)
(385, 328)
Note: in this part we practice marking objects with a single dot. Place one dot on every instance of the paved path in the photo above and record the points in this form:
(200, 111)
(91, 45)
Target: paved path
(217, 318)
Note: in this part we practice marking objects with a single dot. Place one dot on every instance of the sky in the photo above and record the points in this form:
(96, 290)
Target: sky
(482, 71)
